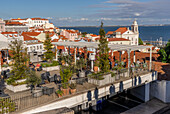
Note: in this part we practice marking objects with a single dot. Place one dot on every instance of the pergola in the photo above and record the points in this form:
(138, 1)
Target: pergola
(113, 47)
(3, 45)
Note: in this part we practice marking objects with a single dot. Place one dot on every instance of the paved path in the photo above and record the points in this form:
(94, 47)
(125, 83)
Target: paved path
(147, 108)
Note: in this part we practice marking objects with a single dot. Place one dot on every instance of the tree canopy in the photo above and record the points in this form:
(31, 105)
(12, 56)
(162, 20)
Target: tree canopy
(165, 53)
(48, 55)
(20, 59)
(140, 42)
(103, 57)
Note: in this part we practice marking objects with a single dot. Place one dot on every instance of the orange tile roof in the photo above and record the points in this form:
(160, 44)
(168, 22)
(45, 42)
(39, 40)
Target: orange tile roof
(55, 40)
(9, 33)
(117, 39)
(70, 31)
(38, 19)
(121, 30)
(27, 38)
(32, 33)
(93, 35)
(110, 32)
(14, 23)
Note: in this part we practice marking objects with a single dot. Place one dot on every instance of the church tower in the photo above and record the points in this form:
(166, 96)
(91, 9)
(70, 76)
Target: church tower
(134, 26)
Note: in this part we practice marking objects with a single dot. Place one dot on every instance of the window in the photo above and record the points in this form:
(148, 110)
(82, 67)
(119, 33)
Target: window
(37, 47)
(40, 46)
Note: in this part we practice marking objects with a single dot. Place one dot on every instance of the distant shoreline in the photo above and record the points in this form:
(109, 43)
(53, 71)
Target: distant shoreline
(119, 25)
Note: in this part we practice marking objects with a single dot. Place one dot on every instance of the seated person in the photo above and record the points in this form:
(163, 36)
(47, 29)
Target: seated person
(37, 66)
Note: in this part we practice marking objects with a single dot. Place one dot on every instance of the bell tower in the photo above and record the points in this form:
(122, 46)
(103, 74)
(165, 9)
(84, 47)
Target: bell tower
(134, 26)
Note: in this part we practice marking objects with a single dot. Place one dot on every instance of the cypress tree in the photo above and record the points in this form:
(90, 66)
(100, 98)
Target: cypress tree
(103, 57)
(48, 55)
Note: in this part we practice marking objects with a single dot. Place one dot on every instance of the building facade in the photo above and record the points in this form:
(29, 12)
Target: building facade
(125, 32)
(2, 26)
(32, 22)
(16, 27)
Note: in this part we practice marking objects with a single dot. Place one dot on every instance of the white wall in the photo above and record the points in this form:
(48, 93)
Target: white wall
(161, 90)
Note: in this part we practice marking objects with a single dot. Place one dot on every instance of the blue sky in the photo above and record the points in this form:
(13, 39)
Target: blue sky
(89, 12)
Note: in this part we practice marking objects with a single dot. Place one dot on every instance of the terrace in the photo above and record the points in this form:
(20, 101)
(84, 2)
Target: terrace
(25, 100)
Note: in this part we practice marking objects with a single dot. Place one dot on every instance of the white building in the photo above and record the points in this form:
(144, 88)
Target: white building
(124, 32)
(32, 22)
(16, 27)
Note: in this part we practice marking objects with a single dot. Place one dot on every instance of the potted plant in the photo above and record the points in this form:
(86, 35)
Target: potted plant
(72, 88)
(80, 64)
(65, 77)
(59, 93)
(96, 66)
(34, 80)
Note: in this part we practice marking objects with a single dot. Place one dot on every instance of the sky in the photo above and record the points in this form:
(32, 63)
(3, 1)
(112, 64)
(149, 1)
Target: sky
(89, 12)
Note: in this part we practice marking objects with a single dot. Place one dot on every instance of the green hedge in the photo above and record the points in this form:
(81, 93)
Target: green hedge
(54, 63)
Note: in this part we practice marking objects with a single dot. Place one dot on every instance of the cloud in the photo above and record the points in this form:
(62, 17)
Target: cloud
(134, 9)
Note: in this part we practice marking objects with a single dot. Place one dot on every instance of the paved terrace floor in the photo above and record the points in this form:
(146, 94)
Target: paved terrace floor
(147, 108)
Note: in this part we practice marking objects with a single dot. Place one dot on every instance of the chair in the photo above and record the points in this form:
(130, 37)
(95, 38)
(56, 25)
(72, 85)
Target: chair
(7, 70)
(47, 73)
(39, 69)
(51, 79)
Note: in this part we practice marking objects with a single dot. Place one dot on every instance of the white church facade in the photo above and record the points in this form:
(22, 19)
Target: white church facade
(126, 33)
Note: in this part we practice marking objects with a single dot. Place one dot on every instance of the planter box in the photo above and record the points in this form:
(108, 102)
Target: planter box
(5, 68)
(51, 68)
(18, 88)
(107, 80)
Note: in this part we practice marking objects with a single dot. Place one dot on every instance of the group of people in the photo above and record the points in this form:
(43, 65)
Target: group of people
(31, 65)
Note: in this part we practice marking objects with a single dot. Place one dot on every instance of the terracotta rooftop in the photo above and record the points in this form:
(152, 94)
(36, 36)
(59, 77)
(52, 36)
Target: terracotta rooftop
(110, 32)
(32, 33)
(70, 31)
(27, 38)
(55, 40)
(14, 23)
(9, 33)
(117, 39)
(121, 30)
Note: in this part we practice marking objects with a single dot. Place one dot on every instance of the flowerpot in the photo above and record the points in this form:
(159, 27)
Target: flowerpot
(65, 92)
(95, 68)
(81, 74)
(59, 95)
(37, 92)
(72, 91)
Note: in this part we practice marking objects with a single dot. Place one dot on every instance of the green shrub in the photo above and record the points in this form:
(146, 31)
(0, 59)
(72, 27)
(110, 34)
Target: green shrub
(5, 65)
(6, 105)
(54, 63)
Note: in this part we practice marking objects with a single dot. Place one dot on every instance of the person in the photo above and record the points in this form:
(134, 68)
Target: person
(124, 62)
(138, 62)
(132, 68)
(37, 66)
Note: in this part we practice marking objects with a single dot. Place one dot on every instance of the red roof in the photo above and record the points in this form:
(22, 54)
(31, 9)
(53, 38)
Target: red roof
(32, 33)
(14, 23)
(62, 37)
(27, 38)
(110, 32)
(38, 19)
(121, 30)
(70, 31)
(55, 40)
(9, 33)
(117, 39)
